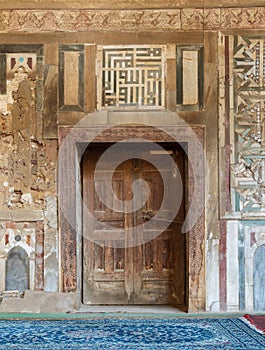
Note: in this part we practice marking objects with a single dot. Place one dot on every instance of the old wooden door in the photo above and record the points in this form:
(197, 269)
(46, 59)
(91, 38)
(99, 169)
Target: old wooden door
(114, 271)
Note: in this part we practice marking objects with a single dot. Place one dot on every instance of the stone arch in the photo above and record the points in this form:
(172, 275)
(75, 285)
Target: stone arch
(17, 270)
(259, 279)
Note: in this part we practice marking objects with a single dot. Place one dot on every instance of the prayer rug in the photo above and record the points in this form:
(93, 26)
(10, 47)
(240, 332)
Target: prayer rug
(130, 333)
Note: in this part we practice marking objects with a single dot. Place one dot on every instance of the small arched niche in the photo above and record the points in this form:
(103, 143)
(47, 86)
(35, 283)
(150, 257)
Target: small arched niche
(259, 279)
(17, 270)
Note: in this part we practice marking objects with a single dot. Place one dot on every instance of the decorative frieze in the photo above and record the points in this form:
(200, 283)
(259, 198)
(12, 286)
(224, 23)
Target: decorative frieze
(192, 19)
(159, 20)
(131, 20)
(242, 18)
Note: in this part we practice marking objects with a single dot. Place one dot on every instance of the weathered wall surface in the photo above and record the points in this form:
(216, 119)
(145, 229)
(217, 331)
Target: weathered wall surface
(28, 170)
(50, 75)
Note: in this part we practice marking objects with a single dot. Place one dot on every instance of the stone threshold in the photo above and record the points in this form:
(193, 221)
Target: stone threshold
(92, 315)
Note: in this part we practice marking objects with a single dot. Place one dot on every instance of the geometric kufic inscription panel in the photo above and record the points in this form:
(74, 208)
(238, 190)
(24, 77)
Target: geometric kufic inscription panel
(132, 76)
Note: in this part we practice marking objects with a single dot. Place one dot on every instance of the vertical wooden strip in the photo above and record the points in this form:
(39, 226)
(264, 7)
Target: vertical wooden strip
(171, 77)
(81, 80)
(67, 187)
(50, 101)
(158, 252)
(201, 77)
(51, 53)
(222, 268)
(129, 223)
(227, 127)
(90, 78)
(2, 74)
(39, 80)
(179, 76)
(221, 136)
(50, 97)
(90, 262)
(61, 79)
(109, 257)
(196, 240)
(211, 204)
(68, 254)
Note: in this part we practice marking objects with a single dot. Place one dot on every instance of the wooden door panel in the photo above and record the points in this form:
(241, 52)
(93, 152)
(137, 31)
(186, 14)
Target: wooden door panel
(162, 257)
(152, 273)
(104, 261)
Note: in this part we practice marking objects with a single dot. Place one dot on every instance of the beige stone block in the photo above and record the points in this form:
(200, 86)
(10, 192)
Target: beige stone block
(19, 305)
(41, 302)
(5, 215)
(27, 215)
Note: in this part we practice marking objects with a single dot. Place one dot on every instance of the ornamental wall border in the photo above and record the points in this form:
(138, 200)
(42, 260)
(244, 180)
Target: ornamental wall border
(167, 20)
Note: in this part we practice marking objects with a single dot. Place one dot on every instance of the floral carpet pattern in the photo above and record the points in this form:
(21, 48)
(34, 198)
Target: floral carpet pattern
(130, 333)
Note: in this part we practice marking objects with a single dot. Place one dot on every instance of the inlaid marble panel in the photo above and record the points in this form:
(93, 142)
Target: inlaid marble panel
(131, 76)
(259, 279)
(249, 98)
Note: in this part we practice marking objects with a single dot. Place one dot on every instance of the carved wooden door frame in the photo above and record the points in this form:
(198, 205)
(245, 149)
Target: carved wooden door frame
(70, 205)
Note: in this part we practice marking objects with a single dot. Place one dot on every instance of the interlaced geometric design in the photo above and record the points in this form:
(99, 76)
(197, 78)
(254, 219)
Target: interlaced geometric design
(133, 76)
(249, 114)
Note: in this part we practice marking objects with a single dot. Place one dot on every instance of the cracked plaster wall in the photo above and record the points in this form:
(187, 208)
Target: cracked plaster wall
(27, 181)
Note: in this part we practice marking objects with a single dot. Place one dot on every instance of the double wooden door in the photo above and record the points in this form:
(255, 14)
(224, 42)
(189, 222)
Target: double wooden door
(116, 268)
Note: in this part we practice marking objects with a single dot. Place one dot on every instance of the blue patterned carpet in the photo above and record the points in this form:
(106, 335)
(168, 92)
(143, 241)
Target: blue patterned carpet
(130, 333)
